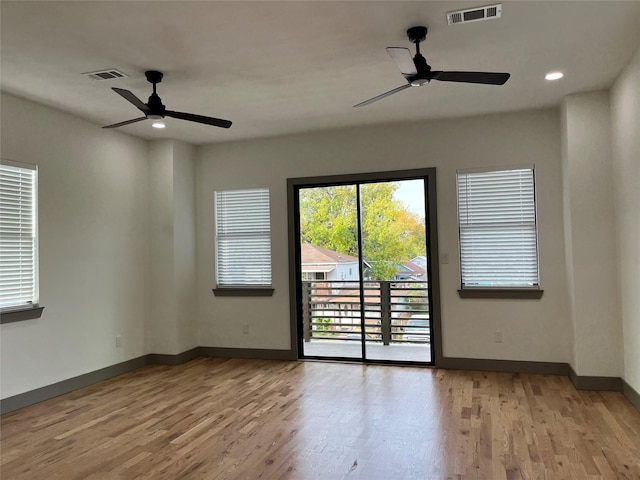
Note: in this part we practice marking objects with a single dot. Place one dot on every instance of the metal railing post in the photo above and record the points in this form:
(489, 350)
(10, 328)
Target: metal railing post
(385, 311)
(306, 311)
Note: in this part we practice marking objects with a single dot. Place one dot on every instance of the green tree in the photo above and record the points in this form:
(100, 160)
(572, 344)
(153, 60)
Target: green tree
(391, 234)
(328, 218)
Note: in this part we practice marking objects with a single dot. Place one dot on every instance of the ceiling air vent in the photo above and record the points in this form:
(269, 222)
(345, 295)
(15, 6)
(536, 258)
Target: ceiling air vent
(474, 14)
(105, 74)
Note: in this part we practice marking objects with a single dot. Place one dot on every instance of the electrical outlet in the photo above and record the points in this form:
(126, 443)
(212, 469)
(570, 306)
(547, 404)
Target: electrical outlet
(245, 328)
(118, 341)
(498, 337)
(444, 258)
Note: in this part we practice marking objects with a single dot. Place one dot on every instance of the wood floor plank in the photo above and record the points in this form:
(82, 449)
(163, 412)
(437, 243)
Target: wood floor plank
(229, 419)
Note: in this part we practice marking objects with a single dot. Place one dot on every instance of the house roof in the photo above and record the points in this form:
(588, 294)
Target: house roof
(414, 268)
(317, 268)
(419, 260)
(313, 254)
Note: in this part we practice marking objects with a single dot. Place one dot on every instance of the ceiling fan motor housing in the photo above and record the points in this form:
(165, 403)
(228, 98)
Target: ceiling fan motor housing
(423, 75)
(156, 108)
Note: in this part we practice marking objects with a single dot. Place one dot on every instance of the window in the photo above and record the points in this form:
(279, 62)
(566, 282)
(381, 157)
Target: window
(313, 276)
(497, 223)
(243, 239)
(18, 239)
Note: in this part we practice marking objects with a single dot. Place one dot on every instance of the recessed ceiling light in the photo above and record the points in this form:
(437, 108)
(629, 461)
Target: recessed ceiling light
(554, 76)
(158, 125)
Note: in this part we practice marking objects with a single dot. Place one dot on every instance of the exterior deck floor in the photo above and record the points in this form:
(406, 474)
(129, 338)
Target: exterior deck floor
(398, 352)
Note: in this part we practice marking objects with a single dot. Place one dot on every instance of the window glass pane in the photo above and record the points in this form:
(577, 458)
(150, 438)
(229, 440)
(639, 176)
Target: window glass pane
(18, 235)
(497, 222)
(243, 238)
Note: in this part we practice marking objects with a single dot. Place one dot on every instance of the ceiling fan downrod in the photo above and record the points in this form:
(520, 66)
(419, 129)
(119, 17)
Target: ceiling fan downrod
(417, 35)
(156, 107)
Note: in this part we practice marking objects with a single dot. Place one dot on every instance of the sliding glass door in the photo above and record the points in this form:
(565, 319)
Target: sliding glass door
(330, 272)
(394, 248)
(363, 270)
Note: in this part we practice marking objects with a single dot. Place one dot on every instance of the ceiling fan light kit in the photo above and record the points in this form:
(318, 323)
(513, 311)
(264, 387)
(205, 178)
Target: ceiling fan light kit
(418, 72)
(554, 76)
(155, 110)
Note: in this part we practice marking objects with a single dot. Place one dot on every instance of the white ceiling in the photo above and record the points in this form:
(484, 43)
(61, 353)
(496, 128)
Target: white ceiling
(282, 67)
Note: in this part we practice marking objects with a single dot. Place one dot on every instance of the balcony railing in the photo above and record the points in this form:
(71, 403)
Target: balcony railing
(394, 311)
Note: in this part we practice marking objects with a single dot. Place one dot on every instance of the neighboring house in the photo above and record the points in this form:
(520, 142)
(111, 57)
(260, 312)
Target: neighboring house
(420, 261)
(338, 302)
(412, 271)
(329, 302)
(323, 264)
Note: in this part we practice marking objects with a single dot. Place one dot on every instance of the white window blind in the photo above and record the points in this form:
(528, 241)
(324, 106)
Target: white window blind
(497, 221)
(243, 238)
(18, 235)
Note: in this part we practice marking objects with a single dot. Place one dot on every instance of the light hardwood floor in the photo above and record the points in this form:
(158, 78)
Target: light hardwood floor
(251, 419)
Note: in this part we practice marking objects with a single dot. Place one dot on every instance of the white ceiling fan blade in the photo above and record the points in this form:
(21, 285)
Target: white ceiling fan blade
(403, 59)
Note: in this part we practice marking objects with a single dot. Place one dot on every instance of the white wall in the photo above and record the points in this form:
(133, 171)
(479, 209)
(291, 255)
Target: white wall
(93, 240)
(184, 247)
(537, 330)
(103, 193)
(171, 326)
(160, 323)
(568, 231)
(590, 239)
(625, 110)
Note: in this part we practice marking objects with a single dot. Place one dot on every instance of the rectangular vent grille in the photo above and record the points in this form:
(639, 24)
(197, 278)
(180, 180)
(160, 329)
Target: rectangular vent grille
(474, 14)
(105, 74)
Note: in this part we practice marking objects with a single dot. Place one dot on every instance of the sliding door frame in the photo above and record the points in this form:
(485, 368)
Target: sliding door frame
(431, 221)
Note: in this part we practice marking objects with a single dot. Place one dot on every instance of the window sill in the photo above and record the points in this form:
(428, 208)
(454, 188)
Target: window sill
(21, 314)
(243, 292)
(504, 293)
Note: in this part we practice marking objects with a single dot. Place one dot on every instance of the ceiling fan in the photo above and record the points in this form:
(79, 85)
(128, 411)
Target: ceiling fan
(418, 72)
(155, 110)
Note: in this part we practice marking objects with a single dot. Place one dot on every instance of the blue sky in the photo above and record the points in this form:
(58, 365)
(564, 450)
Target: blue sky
(411, 193)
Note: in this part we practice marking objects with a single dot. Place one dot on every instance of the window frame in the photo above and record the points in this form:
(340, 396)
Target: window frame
(234, 290)
(499, 292)
(32, 308)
